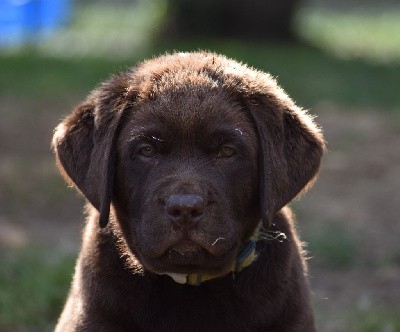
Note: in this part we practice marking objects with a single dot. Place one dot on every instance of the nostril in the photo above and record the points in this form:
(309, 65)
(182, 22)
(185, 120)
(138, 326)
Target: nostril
(174, 212)
(197, 211)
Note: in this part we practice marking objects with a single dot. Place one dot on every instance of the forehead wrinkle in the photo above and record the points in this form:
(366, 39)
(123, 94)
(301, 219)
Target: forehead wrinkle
(205, 110)
(192, 112)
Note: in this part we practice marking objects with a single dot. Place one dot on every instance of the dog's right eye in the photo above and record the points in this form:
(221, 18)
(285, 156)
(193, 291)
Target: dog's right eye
(147, 151)
(226, 152)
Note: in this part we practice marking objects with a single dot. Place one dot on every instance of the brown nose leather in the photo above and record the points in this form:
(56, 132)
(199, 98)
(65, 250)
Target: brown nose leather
(184, 208)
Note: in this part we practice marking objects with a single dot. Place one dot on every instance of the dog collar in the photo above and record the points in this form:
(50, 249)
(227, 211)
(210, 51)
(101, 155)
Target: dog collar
(245, 258)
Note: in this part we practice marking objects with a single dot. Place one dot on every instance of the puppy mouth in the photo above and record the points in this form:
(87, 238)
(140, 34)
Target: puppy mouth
(188, 256)
(184, 251)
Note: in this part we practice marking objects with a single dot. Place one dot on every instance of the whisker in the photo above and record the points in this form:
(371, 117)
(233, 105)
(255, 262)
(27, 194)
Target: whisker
(218, 239)
(270, 235)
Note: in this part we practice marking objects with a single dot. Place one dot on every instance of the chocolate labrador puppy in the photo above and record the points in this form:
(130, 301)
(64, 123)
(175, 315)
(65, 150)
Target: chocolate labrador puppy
(187, 162)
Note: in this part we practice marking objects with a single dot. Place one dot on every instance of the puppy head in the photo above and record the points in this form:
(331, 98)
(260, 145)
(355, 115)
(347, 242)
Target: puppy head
(191, 150)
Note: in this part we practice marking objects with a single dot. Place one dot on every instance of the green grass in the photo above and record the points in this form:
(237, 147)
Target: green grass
(33, 289)
(372, 35)
(39, 190)
(108, 30)
(356, 320)
(309, 75)
(332, 247)
(373, 321)
(350, 59)
(30, 75)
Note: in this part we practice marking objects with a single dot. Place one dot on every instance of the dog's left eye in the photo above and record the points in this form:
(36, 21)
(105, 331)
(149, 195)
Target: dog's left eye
(226, 152)
(147, 151)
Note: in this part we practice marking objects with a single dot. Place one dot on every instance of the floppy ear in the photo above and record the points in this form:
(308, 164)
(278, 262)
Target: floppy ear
(84, 144)
(290, 150)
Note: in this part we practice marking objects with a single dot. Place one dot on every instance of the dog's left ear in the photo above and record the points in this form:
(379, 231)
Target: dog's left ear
(290, 148)
(85, 144)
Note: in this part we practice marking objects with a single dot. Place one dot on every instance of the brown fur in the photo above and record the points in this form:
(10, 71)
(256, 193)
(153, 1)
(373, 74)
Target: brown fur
(224, 137)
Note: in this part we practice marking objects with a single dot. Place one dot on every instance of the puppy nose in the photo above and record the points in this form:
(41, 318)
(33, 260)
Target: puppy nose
(183, 208)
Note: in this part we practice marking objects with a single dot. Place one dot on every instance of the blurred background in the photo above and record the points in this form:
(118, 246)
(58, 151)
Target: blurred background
(338, 58)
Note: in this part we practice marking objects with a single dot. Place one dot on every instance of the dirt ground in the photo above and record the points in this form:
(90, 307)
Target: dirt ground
(358, 193)
(354, 204)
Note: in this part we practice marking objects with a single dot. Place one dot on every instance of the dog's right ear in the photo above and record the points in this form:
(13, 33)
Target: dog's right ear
(84, 144)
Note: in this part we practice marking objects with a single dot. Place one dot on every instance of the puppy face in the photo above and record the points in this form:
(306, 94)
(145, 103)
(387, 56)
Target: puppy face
(186, 190)
(190, 151)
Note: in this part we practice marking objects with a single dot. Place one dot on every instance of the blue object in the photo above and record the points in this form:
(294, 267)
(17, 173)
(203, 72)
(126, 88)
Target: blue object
(28, 20)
